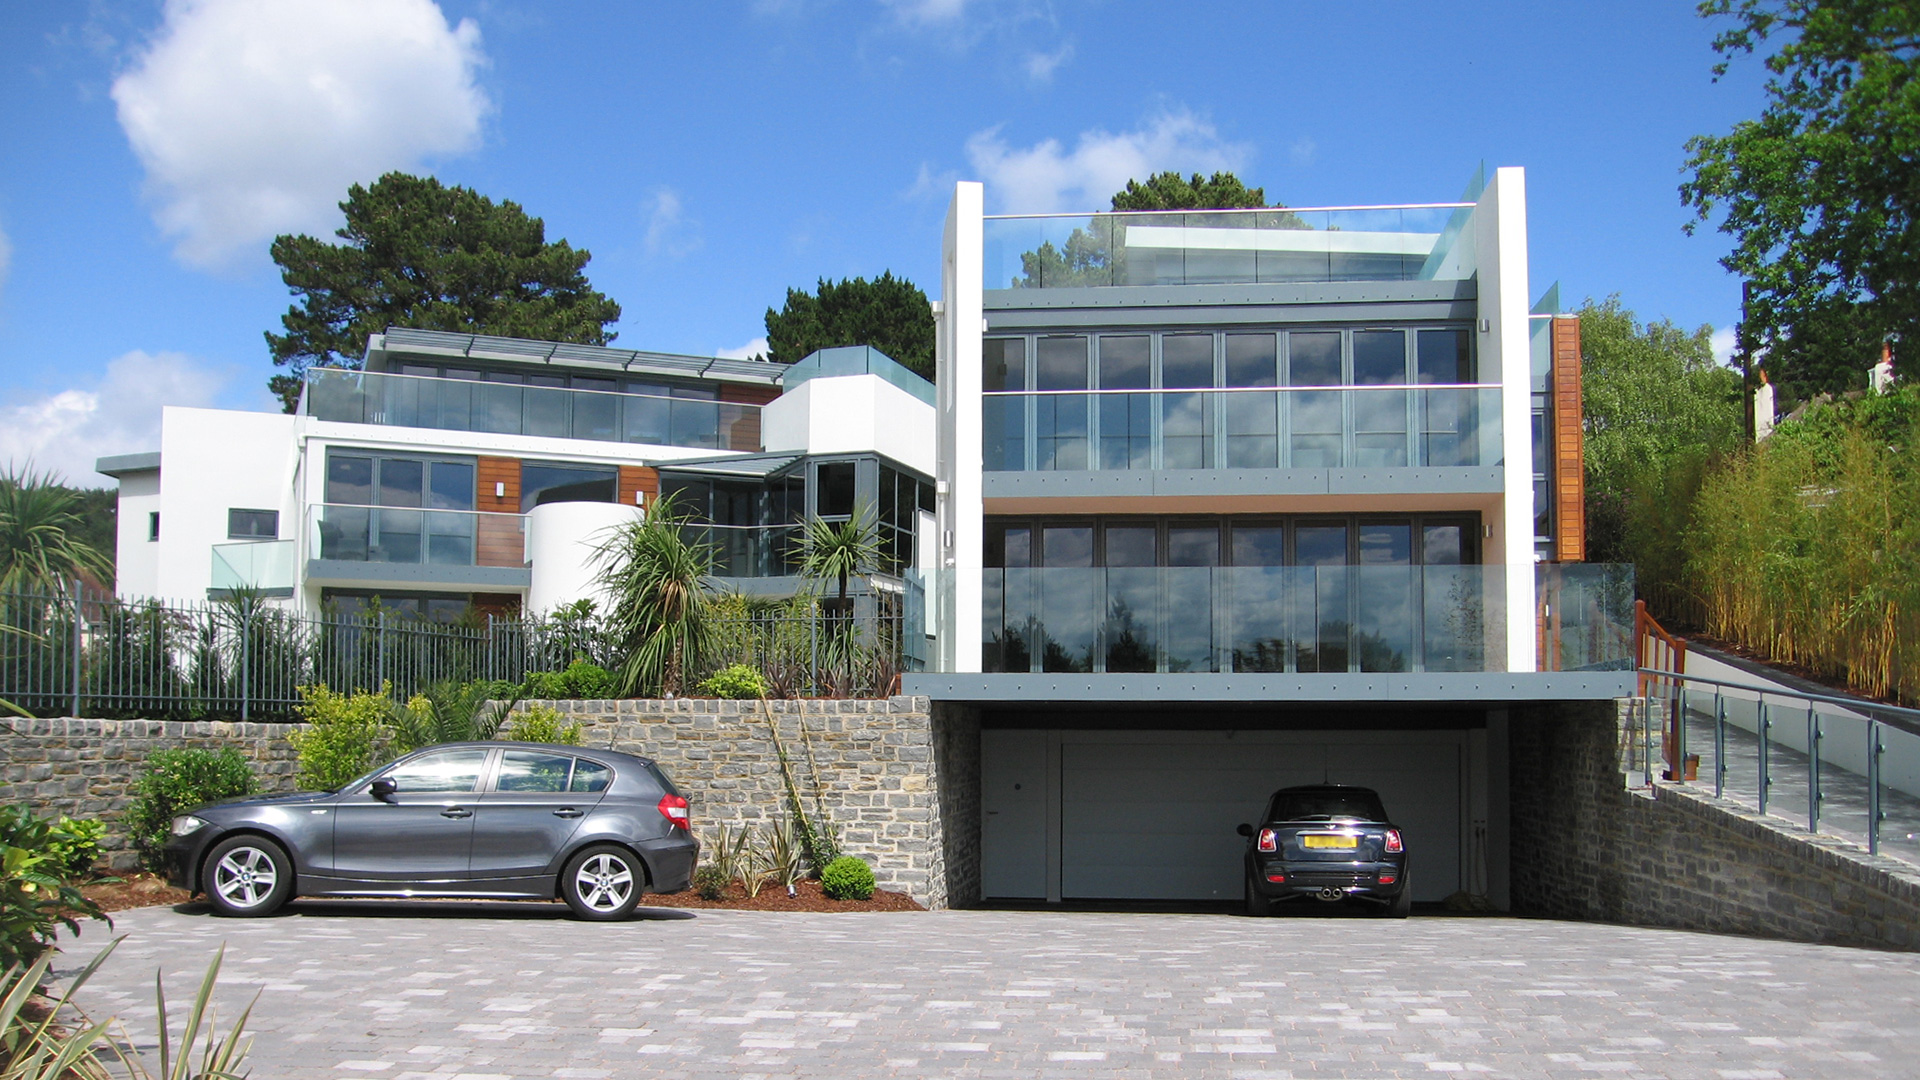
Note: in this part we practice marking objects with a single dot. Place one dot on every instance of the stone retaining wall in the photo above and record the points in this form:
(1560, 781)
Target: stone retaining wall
(1586, 847)
(879, 768)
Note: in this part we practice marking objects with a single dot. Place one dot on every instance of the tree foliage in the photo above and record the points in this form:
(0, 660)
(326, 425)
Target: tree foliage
(424, 255)
(44, 533)
(1659, 414)
(1820, 192)
(890, 314)
(1171, 191)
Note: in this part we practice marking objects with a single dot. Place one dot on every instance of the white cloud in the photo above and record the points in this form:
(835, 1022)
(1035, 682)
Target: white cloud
(252, 117)
(1725, 340)
(922, 12)
(755, 348)
(63, 433)
(669, 230)
(1046, 177)
(1303, 152)
(1041, 66)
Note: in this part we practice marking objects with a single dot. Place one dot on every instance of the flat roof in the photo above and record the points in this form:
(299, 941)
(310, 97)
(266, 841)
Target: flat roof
(120, 464)
(598, 359)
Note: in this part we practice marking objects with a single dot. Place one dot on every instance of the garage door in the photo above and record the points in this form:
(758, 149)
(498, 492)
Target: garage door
(1151, 815)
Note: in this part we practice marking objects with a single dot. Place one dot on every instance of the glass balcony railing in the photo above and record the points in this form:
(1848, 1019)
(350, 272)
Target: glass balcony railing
(367, 397)
(749, 551)
(1265, 428)
(1226, 247)
(1245, 619)
(395, 534)
(254, 564)
(1585, 616)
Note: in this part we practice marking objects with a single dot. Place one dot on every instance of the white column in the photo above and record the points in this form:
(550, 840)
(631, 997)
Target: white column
(1501, 240)
(957, 471)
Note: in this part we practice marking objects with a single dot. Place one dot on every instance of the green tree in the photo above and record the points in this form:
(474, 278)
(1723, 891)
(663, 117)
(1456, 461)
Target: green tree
(888, 313)
(420, 254)
(1819, 193)
(43, 533)
(1171, 191)
(1659, 412)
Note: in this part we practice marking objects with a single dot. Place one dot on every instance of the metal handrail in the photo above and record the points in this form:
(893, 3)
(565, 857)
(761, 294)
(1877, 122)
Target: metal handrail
(1383, 387)
(1231, 210)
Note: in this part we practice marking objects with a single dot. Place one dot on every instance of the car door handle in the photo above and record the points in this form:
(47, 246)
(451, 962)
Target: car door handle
(456, 812)
(567, 811)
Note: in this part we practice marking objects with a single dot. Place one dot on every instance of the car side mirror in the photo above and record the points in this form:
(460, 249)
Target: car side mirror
(382, 788)
(1244, 829)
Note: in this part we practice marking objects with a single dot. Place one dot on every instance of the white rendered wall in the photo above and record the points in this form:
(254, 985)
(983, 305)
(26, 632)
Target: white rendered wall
(136, 560)
(958, 348)
(561, 541)
(1505, 355)
(847, 414)
(213, 460)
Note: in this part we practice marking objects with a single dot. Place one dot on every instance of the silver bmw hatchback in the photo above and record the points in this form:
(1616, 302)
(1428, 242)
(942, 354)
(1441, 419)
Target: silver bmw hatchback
(493, 820)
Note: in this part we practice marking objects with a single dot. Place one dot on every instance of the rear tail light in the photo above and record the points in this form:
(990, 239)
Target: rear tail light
(1277, 878)
(1388, 879)
(1268, 842)
(674, 809)
(1394, 846)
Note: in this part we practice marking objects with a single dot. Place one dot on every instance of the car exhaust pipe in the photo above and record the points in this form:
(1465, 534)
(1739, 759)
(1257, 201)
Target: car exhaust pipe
(1331, 894)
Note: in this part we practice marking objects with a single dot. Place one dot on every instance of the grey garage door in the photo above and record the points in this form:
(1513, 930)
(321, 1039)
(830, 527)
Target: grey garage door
(1151, 815)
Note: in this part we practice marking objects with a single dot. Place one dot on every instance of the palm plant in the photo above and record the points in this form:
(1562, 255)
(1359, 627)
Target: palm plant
(837, 550)
(448, 712)
(658, 581)
(41, 523)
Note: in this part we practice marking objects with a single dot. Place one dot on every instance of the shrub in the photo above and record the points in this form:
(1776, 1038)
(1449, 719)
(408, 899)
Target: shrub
(847, 878)
(37, 895)
(580, 680)
(175, 781)
(710, 883)
(344, 737)
(735, 681)
(75, 846)
(541, 723)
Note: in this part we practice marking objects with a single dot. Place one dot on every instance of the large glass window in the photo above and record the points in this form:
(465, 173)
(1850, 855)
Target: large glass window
(383, 509)
(1252, 419)
(543, 482)
(1005, 418)
(1060, 420)
(1126, 420)
(1186, 420)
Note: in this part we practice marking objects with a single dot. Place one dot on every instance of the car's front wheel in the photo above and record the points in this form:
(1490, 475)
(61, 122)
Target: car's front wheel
(603, 883)
(247, 875)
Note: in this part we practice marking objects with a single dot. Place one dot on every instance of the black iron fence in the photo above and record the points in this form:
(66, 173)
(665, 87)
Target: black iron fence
(72, 652)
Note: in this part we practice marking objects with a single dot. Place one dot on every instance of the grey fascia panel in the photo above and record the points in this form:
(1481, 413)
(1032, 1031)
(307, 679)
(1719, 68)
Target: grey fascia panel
(1207, 296)
(596, 358)
(1277, 690)
(344, 571)
(1069, 319)
(1436, 480)
(120, 464)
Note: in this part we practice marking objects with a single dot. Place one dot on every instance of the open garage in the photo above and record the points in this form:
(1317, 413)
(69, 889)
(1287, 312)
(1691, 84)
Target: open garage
(1147, 810)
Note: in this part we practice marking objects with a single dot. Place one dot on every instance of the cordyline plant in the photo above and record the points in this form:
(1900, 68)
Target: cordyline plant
(658, 581)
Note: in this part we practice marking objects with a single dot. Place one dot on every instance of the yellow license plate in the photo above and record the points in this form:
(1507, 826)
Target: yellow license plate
(1348, 842)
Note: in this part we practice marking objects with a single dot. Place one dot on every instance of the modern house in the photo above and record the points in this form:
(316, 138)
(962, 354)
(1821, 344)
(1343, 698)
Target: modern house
(1231, 500)
(458, 472)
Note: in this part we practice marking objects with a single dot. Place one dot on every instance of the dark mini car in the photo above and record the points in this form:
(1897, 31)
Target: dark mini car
(1330, 843)
(500, 820)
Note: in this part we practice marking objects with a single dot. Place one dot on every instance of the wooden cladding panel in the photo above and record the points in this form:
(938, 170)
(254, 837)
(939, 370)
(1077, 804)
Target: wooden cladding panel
(499, 541)
(1569, 464)
(494, 471)
(743, 432)
(748, 394)
(641, 480)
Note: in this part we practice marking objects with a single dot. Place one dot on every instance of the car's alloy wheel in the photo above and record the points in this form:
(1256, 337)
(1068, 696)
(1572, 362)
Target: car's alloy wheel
(603, 883)
(247, 876)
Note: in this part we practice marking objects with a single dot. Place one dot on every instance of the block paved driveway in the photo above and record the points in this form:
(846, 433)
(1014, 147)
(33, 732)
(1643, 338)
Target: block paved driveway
(392, 991)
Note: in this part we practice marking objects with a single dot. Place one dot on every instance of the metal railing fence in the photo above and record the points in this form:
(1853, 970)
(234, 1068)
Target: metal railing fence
(1844, 766)
(73, 652)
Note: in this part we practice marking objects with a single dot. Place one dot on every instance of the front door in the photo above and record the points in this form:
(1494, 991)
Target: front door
(421, 833)
(535, 804)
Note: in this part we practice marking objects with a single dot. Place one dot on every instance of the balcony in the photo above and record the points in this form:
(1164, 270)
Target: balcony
(1294, 619)
(1427, 242)
(1294, 427)
(749, 551)
(265, 566)
(372, 545)
(368, 397)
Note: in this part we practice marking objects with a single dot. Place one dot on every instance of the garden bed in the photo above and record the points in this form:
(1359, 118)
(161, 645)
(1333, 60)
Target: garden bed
(133, 890)
(774, 898)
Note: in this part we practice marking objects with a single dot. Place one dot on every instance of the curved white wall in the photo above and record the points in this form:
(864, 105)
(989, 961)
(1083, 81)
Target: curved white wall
(561, 538)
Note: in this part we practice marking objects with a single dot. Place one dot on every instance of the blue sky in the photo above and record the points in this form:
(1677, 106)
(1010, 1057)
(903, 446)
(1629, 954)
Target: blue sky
(712, 155)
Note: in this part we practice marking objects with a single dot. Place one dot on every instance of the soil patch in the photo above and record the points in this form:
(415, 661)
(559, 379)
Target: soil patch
(134, 890)
(807, 897)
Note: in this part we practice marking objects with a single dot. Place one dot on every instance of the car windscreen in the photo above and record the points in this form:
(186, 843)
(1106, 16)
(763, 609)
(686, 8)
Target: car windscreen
(1325, 806)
